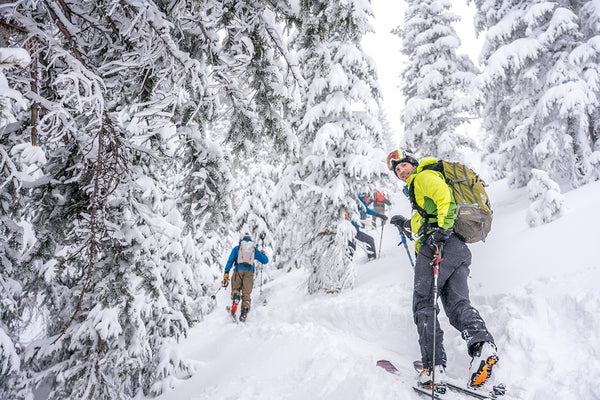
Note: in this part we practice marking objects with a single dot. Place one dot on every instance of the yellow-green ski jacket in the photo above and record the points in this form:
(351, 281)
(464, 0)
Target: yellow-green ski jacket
(434, 196)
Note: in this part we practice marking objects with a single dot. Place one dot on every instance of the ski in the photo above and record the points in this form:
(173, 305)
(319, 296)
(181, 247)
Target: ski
(391, 368)
(470, 392)
(497, 390)
(426, 393)
(232, 315)
(388, 366)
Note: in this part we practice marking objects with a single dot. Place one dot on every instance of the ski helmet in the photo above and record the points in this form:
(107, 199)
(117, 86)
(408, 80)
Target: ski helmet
(399, 156)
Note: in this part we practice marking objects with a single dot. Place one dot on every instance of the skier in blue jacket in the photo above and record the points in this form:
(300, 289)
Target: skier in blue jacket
(360, 235)
(242, 259)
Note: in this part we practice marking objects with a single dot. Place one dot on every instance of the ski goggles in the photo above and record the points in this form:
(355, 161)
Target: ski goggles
(394, 158)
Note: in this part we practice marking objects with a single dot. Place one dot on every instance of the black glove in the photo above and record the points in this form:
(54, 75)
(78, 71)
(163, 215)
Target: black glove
(438, 237)
(402, 223)
(399, 220)
(382, 216)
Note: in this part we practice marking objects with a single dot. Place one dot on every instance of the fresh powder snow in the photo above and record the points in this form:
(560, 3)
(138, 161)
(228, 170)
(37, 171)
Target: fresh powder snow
(535, 288)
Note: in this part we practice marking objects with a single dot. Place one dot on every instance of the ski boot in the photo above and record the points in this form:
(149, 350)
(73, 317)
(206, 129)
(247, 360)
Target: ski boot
(484, 358)
(244, 314)
(236, 301)
(426, 378)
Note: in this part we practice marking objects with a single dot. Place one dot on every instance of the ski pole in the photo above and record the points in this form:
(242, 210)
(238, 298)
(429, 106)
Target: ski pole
(404, 242)
(381, 237)
(262, 246)
(435, 263)
(215, 295)
(261, 277)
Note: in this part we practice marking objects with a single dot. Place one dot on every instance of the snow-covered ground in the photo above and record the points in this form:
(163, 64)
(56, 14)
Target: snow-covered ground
(535, 287)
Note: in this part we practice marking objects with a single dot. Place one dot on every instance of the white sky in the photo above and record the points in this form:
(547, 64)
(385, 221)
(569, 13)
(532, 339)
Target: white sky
(384, 47)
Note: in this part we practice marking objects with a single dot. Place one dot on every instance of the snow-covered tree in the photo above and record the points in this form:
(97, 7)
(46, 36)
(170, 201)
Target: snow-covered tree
(254, 186)
(539, 88)
(17, 168)
(388, 132)
(132, 204)
(547, 202)
(339, 133)
(259, 84)
(287, 212)
(435, 81)
(586, 56)
(257, 72)
(107, 271)
(206, 203)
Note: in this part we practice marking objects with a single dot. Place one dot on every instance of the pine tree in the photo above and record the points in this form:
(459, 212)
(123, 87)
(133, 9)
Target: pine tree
(539, 94)
(339, 134)
(107, 266)
(435, 81)
(254, 202)
(16, 169)
(546, 200)
(260, 79)
(206, 187)
(132, 201)
(259, 75)
(286, 207)
(586, 57)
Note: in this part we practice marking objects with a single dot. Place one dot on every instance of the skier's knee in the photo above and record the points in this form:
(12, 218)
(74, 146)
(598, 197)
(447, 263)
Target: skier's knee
(422, 314)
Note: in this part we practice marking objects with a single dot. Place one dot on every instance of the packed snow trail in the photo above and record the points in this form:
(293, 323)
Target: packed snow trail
(535, 288)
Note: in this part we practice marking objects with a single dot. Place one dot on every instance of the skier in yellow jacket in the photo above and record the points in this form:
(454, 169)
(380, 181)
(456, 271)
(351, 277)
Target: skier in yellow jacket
(432, 194)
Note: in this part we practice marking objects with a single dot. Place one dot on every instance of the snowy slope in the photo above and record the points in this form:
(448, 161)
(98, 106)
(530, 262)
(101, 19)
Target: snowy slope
(534, 287)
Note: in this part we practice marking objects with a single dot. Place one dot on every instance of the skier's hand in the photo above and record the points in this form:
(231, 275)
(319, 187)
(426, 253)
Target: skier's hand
(403, 224)
(382, 216)
(438, 237)
(399, 220)
(225, 280)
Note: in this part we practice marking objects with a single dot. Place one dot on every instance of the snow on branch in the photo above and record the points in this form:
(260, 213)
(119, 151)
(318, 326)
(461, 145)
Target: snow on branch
(14, 57)
(292, 62)
(548, 202)
(9, 359)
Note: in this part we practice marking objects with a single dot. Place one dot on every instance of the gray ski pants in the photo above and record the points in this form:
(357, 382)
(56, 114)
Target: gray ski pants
(453, 291)
(367, 239)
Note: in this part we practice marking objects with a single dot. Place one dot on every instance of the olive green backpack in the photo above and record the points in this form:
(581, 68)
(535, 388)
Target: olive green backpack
(473, 208)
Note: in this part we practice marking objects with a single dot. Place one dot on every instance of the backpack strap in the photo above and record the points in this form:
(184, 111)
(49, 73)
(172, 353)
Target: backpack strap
(438, 166)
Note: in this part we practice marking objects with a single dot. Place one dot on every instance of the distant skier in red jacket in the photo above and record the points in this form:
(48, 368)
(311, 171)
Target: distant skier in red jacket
(378, 205)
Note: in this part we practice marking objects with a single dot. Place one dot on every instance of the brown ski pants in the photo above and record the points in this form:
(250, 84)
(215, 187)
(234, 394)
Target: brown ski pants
(242, 282)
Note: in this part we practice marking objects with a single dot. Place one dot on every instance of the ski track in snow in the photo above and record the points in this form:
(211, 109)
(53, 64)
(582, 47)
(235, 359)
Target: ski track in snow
(535, 288)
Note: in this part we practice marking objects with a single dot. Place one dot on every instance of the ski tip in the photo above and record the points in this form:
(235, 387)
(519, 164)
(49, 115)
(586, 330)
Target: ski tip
(418, 365)
(388, 366)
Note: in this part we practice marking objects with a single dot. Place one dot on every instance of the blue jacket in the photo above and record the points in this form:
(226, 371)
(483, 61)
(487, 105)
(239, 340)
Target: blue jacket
(232, 262)
(363, 208)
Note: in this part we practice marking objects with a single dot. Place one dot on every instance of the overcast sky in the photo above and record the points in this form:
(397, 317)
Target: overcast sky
(384, 47)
